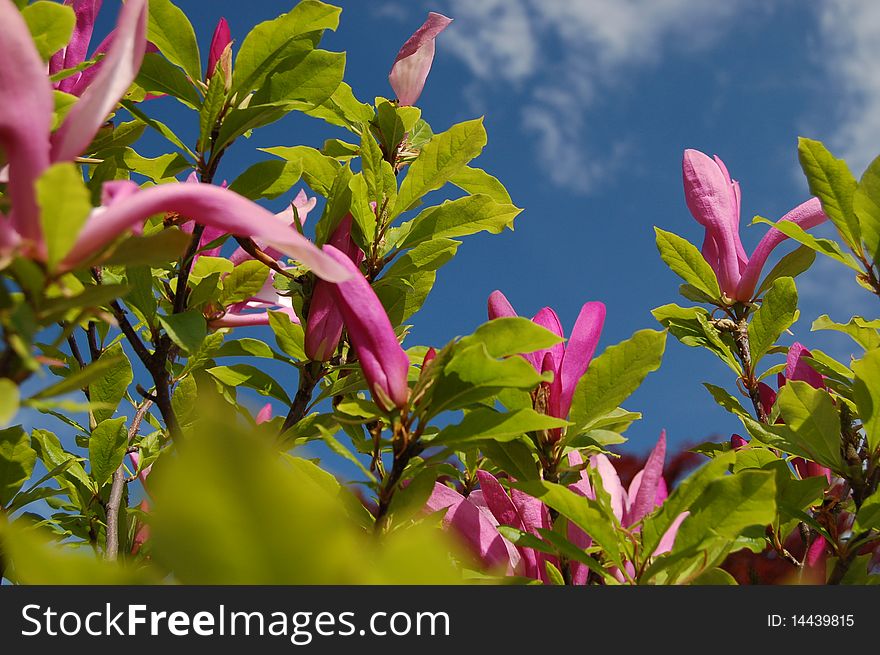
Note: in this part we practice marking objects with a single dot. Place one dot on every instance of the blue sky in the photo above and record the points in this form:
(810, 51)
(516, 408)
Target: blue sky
(589, 105)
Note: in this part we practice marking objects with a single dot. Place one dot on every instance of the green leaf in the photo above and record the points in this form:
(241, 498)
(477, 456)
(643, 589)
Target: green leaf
(826, 247)
(456, 218)
(65, 204)
(686, 261)
(777, 313)
(866, 205)
(515, 457)
(9, 401)
(811, 415)
(792, 265)
(689, 491)
(111, 387)
(303, 81)
(267, 44)
(156, 249)
(50, 451)
(861, 331)
(267, 179)
(209, 114)
(691, 326)
(17, 460)
(187, 329)
(170, 30)
(427, 256)
(50, 24)
(288, 335)
(868, 517)
(830, 180)
(245, 281)
(251, 377)
(159, 169)
(159, 127)
(80, 379)
(394, 122)
(343, 109)
(866, 390)
(107, 445)
(614, 375)
(581, 511)
(318, 170)
(473, 374)
(338, 205)
(511, 336)
(485, 423)
(477, 181)
(443, 156)
(727, 401)
(403, 297)
(362, 212)
(158, 75)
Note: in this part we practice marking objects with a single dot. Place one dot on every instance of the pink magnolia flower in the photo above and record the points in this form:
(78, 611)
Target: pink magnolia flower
(76, 51)
(413, 62)
(384, 363)
(30, 148)
(568, 362)
(646, 492)
(255, 310)
(221, 40)
(324, 325)
(476, 519)
(714, 201)
(264, 415)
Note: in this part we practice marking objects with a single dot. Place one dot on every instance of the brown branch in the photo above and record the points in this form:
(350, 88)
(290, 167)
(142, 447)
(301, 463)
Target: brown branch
(309, 376)
(114, 504)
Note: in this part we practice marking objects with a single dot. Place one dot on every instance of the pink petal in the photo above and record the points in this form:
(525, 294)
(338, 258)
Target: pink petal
(667, 541)
(767, 397)
(222, 38)
(75, 53)
(118, 71)
(737, 442)
(646, 491)
(806, 215)
(324, 324)
(413, 62)
(796, 369)
(500, 307)
(713, 201)
(579, 572)
(206, 204)
(548, 319)
(442, 497)
(384, 363)
(579, 350)
(265, 414)
(25, 121)
(611, 484)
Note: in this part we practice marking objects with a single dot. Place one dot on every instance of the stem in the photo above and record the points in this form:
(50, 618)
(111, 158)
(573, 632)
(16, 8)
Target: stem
(741, 338)
(408, 450)
(114, 504)
(309, 376)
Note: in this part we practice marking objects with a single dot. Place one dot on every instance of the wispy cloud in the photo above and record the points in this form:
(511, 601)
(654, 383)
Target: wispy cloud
(558, 56)
(851, 49)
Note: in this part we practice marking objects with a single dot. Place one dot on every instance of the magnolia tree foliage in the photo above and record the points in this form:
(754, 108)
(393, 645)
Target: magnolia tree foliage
(131, 287)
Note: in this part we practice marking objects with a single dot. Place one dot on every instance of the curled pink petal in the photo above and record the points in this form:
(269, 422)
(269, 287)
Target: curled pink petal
(222, 38)
(737, 442)
(643, 496)
(118, 70)
(548, 319)
(383, 361)
(579, 351)
(667, 541)
(797, 369)
(500, 307)
(713, 200)
(206, 204)
(805, 215)
(264, 415)
(611, 484)
(413, 62)
(25, 121)
(86, 12)
(324, 324)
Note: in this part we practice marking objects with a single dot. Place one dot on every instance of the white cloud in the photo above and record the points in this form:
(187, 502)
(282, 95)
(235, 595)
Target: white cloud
(851, 48)
(558, 55)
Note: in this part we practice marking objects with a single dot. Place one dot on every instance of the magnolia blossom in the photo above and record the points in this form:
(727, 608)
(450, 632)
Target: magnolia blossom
(413, 62)
(568, 362)
(255, 310)
(324, 325)
(30, 147)
(384, 363)
(476, 518)
(714, 201)
(220, 42)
